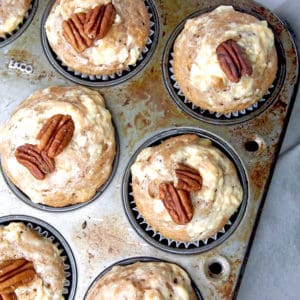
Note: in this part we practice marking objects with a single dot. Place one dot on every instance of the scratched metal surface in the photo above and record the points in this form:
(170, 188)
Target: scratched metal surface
(99, 233)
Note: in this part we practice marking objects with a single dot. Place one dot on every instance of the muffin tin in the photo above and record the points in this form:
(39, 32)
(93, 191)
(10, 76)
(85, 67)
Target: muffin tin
(47, 231)
(144, 112)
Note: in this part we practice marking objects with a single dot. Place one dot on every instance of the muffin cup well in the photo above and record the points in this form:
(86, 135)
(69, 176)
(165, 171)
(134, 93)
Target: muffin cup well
(213, 117)
(155, 238)
(104, 80)
(10, 37)
(48, 208)
(50, 233)
(132, 260)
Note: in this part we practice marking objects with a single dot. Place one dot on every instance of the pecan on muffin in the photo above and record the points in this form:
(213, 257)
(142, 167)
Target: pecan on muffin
(58, 147)
(185, 188)
(31, 267)
(225, 60)
(98, 37)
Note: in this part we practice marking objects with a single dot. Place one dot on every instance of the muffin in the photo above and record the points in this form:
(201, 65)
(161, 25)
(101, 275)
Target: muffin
(98, 37)
(185, 188)
(30, 266)
(12, 13)
(58, 146)
(225, 60)
(143, 280)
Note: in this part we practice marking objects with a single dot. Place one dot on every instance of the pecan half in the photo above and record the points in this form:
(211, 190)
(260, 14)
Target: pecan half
(99, 21)
(233, 60)
(93, 21)
(177, 203)
(188, 179)
(35, 160)
(10, 296)
(14, 273)
(73, 32)
(56, 134)
(107, 21)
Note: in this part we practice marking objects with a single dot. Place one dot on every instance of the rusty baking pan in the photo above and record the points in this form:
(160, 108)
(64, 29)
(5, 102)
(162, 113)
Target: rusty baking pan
(147, 106)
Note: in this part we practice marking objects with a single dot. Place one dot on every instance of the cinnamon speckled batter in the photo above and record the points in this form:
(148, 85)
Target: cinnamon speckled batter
(119, 48)
(12, 13)
(219, 197)
(19, 241)
(83, 166)
(144, 281)
(197, 69)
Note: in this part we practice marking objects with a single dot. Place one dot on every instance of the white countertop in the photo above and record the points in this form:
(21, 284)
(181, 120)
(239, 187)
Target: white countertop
(273, 269)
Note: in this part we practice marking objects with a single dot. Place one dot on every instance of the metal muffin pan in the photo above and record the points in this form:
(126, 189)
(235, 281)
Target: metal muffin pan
(132, 260)
(100, 233)
(211, 117)
(22, 196)
(22, 26)
(50, 233)
(105, 80)
(155, 238)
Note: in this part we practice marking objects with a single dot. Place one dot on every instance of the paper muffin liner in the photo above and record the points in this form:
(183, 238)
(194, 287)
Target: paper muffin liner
(10, 37)
(155, 238)
(50, 233)
(214, 117)
(132, 260)
(114, 78)
(22, 196)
